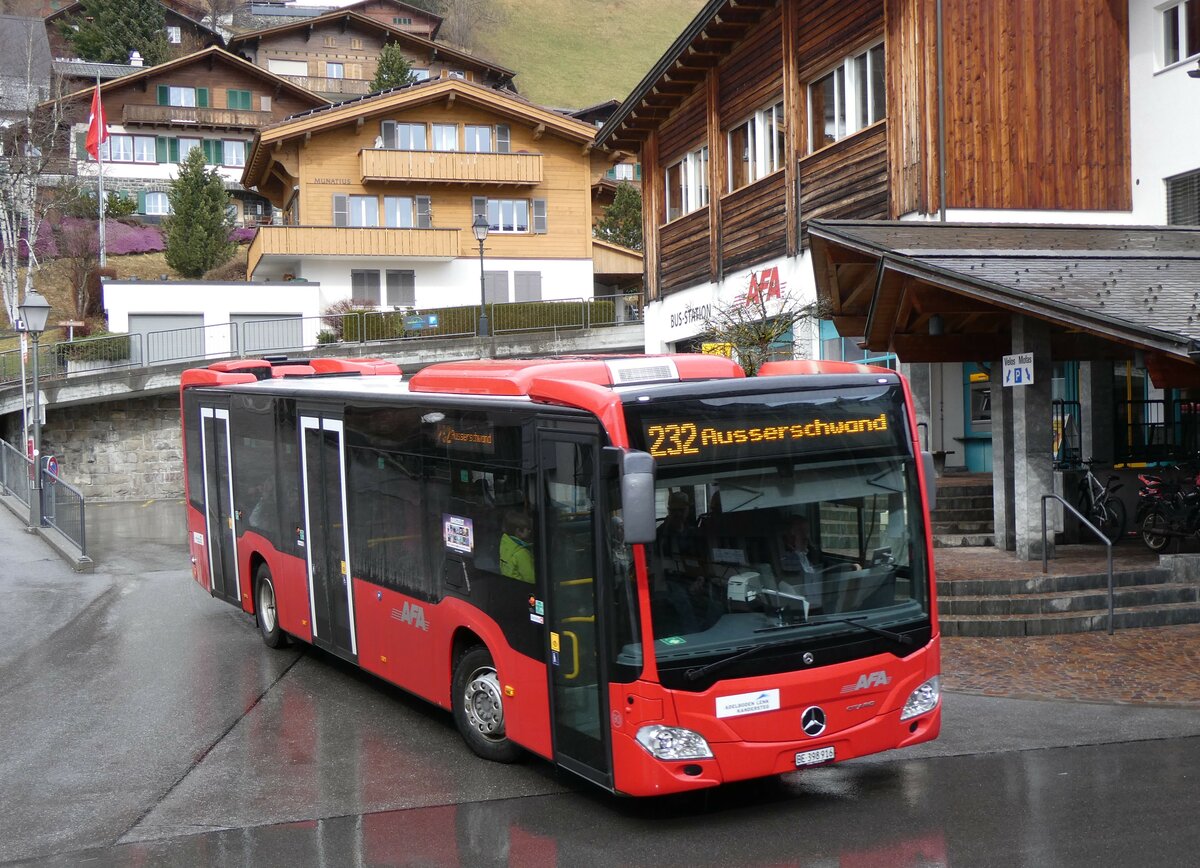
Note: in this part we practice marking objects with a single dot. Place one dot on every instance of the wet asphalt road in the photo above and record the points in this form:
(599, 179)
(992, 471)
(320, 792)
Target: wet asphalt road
(144, 722)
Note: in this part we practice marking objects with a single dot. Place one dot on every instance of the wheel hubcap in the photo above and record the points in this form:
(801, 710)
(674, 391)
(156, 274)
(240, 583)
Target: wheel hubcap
(266, 605)
(485, 711)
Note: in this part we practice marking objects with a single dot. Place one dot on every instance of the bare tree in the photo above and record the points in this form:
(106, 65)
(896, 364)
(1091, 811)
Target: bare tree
(27, 147)
(464, 20)
(751, 327)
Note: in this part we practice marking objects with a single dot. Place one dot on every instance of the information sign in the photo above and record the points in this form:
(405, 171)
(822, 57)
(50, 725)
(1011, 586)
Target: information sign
(1018, 369)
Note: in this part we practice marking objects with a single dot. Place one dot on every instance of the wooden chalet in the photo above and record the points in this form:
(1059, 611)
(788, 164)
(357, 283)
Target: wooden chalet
(336, 54)
(185, 32)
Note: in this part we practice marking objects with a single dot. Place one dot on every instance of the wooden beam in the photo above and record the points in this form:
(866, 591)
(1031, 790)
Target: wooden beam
(885, 303)
(450, 99)
(850, 326)
(949, 348)
(792, 107)
(358, 124)
(716, 175)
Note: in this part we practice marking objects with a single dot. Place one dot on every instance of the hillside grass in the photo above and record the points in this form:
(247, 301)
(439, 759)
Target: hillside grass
(576, 53)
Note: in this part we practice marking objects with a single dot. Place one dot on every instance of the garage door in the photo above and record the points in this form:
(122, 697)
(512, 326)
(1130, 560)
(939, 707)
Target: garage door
(269, 332)
(169, 336)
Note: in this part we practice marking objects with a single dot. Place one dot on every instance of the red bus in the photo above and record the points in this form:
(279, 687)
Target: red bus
(651, 570)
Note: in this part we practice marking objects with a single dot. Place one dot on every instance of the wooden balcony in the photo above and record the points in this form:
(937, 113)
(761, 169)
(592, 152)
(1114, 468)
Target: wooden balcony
(161, 115)
(450, 167)
(318, 84)
(298, 242)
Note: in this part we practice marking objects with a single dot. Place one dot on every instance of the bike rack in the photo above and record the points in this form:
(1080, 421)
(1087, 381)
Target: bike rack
(1107, 542)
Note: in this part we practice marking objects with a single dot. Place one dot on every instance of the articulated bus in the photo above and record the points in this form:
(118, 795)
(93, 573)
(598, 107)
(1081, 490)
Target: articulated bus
(653, 571)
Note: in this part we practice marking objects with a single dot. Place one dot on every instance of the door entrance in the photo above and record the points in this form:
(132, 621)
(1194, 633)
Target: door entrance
(218, 504)
(327, 532)
(568, 554)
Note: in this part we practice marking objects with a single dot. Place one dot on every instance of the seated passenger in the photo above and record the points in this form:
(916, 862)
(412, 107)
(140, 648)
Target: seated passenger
(516, 554)
(685, 596)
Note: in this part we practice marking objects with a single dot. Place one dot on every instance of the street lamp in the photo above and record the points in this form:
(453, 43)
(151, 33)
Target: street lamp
(35, 310)
(480, 228)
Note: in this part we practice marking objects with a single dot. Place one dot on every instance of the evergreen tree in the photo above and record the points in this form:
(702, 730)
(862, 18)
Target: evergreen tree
(394, 70)
(622, 220)
(106, 31)
(197, 232)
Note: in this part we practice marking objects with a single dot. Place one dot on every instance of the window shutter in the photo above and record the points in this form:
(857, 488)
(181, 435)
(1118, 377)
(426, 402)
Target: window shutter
(160, 149)
(264, 103)
(503, 139)
(233, 99)
(173, 150)
(341, 209)
(424, 213)
(478, 207)
(81, 147)
(141, 201)
(202, 97)
(539, 216)
(1183, 199)
(247, 146)
(528, 285)
(210, 148)
(164, 95)
(401, 288)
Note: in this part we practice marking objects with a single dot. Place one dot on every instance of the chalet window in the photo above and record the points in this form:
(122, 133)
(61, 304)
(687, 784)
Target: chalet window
(187, 97)
(527, 285)
(503, 139)
(419, 74)
(445, 137)
(145, 149)
(756, 147)
(118, 149)
(687, 184)
(477, 139)
(155, 203)
(355, 42)
(335, 70)
(847, 98)
(456, 73)
(625, 172)
(238, 99)
(287, 67)
(364, 286)
(364, 211)
(404, 137)
(1180, 31)
(511, 215)
(174, 35)
(233, 153)
(401, 20)
(331, 42)
(185, 147)
(407, 212)
(1183, 199)
(401, 287)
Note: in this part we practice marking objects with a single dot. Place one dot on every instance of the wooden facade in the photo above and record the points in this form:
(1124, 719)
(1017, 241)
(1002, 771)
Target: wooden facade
(298, 241)
(193, 36)
(332, 153)
(1037, 118)
(413, 19)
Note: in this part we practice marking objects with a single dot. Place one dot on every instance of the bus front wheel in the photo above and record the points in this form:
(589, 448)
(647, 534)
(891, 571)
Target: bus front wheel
(266, 610)
(479, 707)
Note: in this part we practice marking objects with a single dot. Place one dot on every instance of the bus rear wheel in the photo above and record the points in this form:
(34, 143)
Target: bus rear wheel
(266, 610)
(479, 707)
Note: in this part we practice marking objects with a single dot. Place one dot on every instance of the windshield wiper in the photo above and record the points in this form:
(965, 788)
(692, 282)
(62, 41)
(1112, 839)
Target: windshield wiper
(700, 672)
(898, 638)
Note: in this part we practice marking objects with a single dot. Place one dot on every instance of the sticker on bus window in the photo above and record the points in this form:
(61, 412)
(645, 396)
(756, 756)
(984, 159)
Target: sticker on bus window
(673, 640)
(458, 533)
(198, 538)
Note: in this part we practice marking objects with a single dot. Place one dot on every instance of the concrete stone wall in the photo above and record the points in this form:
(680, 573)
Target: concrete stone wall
(122, 450)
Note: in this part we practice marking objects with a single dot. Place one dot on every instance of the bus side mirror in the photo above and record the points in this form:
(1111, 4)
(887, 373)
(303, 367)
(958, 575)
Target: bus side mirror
(930, 480)
(637, 497)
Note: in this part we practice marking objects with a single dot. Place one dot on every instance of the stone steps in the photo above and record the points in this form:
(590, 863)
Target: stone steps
(950, 528)
(961, 540)
(1167, 615)
(941, 514)
(1071, 601)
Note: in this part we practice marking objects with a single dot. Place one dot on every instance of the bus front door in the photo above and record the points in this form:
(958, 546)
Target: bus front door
(568, 550)
(327, 546)
(218, 504)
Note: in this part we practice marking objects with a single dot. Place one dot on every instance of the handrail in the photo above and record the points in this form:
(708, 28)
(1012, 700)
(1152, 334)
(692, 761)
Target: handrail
(1107, 542)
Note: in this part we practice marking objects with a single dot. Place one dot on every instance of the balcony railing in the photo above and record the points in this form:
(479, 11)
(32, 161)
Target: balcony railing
(330, 85)
(352, 241)
(450, 167)
(197, 117)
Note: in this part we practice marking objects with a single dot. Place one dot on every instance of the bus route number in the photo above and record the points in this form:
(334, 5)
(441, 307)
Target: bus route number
(673, 440)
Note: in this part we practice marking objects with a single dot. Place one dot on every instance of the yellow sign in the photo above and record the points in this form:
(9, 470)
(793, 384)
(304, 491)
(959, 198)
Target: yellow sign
(674, 440)
(554, 642)
(715, 349)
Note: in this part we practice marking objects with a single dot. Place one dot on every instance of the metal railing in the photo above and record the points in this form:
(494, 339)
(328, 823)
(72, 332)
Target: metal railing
(63, 509)
(1156, 430)
(305, 334)
(16, 472)
(1107, 542)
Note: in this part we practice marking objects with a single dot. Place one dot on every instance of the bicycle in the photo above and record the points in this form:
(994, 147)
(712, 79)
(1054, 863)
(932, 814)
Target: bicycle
(1098, 503)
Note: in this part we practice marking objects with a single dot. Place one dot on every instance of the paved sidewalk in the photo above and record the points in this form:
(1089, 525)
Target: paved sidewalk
(1159, 665)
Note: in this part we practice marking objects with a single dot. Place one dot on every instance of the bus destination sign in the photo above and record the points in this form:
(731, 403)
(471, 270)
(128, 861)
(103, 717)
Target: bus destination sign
(710, 439)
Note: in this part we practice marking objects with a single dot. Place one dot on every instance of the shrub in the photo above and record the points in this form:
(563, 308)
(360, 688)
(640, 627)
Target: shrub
(325, 336)
(101, 348)
(233, 270)
(242, 234)
(335, 316)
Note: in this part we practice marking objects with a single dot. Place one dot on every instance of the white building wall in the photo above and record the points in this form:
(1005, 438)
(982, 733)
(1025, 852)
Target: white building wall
(453, 283)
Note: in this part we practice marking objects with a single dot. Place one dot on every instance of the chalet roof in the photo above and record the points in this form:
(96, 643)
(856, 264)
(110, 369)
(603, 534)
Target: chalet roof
(710, 35)
(343, 18)
(212, 54)
(71, 68)
(23, 40)
(1105, 290)
(502, 102)
(404, 7)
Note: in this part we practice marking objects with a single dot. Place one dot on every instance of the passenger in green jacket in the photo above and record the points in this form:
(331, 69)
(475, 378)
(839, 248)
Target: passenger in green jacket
(516, 555)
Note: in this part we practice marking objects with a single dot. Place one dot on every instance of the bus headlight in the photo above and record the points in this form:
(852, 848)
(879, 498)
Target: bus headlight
(673, 743)
(924, 698)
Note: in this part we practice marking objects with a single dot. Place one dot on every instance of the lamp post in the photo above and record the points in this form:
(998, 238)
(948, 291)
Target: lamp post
(480, 228)
(35, 310)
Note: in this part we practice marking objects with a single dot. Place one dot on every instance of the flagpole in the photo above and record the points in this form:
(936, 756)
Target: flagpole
(100, 163)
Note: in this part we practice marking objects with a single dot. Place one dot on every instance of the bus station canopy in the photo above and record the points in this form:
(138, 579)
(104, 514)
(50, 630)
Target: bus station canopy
(945, 292)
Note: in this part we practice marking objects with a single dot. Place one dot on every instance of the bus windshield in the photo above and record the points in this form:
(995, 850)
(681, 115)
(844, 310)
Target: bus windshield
(793, 525)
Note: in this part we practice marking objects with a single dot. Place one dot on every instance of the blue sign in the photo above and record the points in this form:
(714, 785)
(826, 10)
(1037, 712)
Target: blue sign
(418, 322)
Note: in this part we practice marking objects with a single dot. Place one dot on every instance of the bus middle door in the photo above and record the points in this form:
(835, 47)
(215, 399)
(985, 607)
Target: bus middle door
(568, 480)
(327, 531)
(218, 504)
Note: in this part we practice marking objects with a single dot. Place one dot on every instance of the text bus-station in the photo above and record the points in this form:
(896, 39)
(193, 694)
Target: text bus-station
(652, 571)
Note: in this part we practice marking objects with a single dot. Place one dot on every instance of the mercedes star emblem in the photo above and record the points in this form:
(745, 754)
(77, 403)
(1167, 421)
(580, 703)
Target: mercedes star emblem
(812, 721)
(808, 658)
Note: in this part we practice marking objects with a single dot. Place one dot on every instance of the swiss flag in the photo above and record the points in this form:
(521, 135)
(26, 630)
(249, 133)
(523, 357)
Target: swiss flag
(97, 133)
